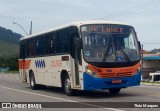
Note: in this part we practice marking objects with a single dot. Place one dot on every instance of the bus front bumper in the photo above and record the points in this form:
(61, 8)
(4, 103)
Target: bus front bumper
(92, 83)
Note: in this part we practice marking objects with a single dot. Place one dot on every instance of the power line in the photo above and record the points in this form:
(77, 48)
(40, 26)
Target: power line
(134, 13)
(135, 10)
(126, 10)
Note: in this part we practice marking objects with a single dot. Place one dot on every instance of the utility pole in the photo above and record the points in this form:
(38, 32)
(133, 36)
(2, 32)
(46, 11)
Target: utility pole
(142, 61)
(30, 28)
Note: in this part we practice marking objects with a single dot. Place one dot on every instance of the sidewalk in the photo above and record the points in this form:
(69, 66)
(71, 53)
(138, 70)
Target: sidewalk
(150, 84)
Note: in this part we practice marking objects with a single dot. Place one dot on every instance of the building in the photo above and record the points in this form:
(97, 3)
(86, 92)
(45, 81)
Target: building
(151, 63)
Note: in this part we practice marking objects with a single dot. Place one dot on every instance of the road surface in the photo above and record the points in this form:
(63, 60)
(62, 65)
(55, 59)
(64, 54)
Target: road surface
(12, 90)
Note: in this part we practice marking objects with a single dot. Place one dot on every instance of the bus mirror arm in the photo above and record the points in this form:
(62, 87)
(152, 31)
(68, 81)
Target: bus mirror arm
(139, 45)
(77, 42)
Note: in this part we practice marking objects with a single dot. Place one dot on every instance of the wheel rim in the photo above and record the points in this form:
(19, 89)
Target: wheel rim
(67, 86)
(32, 82)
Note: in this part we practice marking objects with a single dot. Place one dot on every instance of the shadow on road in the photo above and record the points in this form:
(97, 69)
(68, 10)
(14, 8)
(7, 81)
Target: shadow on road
(87, 94)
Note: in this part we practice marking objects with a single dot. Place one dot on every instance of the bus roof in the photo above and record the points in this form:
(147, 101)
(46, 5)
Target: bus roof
(78, 24)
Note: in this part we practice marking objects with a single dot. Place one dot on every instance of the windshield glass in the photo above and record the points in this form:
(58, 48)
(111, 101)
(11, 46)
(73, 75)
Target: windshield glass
(109, 43)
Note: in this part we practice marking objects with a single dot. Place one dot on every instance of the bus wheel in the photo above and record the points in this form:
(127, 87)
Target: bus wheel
(115, 90)
(67, 86)
(33, 84)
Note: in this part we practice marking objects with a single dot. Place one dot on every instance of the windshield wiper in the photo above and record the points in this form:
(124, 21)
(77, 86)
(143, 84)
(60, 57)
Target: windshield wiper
(106, 52)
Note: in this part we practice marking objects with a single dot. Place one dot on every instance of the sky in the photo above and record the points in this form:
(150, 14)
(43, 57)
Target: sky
(143, 15)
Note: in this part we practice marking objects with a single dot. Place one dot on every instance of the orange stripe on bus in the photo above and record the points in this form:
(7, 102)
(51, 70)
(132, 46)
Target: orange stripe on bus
(115, 72)
(24, 64)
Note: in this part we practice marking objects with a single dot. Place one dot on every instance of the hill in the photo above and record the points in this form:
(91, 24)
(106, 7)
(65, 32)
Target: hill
(9, 36)
(8, 49)
(8, 42)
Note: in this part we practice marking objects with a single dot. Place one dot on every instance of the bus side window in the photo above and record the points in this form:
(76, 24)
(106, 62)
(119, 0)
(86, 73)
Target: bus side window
(50, 43)
(21, 54)
(62, 44)
(23, 49)
(40, 45)
(32, 47)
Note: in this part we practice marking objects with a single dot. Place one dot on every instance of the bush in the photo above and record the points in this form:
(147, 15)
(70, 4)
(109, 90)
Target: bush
(11, 62)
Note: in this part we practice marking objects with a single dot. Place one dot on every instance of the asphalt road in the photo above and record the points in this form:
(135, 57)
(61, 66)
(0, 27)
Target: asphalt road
(12, 90)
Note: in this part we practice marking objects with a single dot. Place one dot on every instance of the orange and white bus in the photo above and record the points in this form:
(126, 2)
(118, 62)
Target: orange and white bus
(88, 55)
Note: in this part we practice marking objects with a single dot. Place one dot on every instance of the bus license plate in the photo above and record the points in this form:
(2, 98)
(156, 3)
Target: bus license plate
(116, 81)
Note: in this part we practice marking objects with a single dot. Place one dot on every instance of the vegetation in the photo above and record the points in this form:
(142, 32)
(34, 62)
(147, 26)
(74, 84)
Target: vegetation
(9, 49)
(11, 62)
(9, 36)
(155, 50)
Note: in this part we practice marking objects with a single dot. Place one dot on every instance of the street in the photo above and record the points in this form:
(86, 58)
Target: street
(12, 90)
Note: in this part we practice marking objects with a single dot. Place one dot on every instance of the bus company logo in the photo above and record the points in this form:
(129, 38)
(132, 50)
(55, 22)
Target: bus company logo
(117, 74)
(40, 64)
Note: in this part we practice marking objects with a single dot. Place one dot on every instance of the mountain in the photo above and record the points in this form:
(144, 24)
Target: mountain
(8, 42)
(9, 36)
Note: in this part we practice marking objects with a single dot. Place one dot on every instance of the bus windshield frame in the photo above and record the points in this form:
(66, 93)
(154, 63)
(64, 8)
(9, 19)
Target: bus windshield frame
(109, 43)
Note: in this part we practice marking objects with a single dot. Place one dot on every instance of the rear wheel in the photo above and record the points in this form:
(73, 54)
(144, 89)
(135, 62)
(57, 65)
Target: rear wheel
(115, 90)
(33, 84)
(67, 86)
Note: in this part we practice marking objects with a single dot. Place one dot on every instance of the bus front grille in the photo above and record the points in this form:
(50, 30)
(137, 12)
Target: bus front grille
(115, 75)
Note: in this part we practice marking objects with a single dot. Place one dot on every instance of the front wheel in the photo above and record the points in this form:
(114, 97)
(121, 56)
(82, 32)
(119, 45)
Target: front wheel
(67, 87)
(115, 90)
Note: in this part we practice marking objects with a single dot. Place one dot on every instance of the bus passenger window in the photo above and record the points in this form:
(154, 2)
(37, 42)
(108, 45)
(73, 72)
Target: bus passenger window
(40, 45)
(50, 43)
(32, 47)
(62, 44)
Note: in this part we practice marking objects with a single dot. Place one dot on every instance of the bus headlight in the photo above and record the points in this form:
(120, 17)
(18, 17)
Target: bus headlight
(138, 70)
(90, 72)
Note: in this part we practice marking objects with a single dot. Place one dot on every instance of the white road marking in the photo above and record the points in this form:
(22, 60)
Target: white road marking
(113, 109)
(38, 94)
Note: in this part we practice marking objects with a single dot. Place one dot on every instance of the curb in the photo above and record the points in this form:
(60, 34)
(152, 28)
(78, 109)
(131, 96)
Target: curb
(150, 84)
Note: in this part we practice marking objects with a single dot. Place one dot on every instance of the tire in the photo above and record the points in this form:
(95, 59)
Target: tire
(114, 91)
(67, 86)
(33, 84)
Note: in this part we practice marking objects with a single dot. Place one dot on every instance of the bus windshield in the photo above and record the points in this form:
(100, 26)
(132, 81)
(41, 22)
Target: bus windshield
(109, 43)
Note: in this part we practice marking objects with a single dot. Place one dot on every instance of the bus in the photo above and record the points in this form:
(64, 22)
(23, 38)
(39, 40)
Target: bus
(87, 55)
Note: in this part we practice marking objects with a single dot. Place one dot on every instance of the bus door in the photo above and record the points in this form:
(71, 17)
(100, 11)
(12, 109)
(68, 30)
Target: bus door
(76, 64)
(23, 76)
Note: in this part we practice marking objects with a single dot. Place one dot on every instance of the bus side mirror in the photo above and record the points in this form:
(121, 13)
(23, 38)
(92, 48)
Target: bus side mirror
(139, 45)
(77, 42)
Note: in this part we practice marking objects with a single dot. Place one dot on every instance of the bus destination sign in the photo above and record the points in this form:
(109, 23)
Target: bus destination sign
(108, 29)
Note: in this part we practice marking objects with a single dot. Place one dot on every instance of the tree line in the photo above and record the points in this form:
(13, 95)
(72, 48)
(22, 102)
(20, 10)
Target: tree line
(10, 62)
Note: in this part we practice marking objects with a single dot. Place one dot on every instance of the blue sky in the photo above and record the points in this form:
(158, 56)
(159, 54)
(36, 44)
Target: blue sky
(47, 14)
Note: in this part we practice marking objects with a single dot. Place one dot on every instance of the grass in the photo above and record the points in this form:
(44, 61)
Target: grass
(8, 49)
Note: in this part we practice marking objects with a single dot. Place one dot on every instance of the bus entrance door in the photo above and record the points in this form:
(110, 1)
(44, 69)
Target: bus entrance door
(76, 64)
